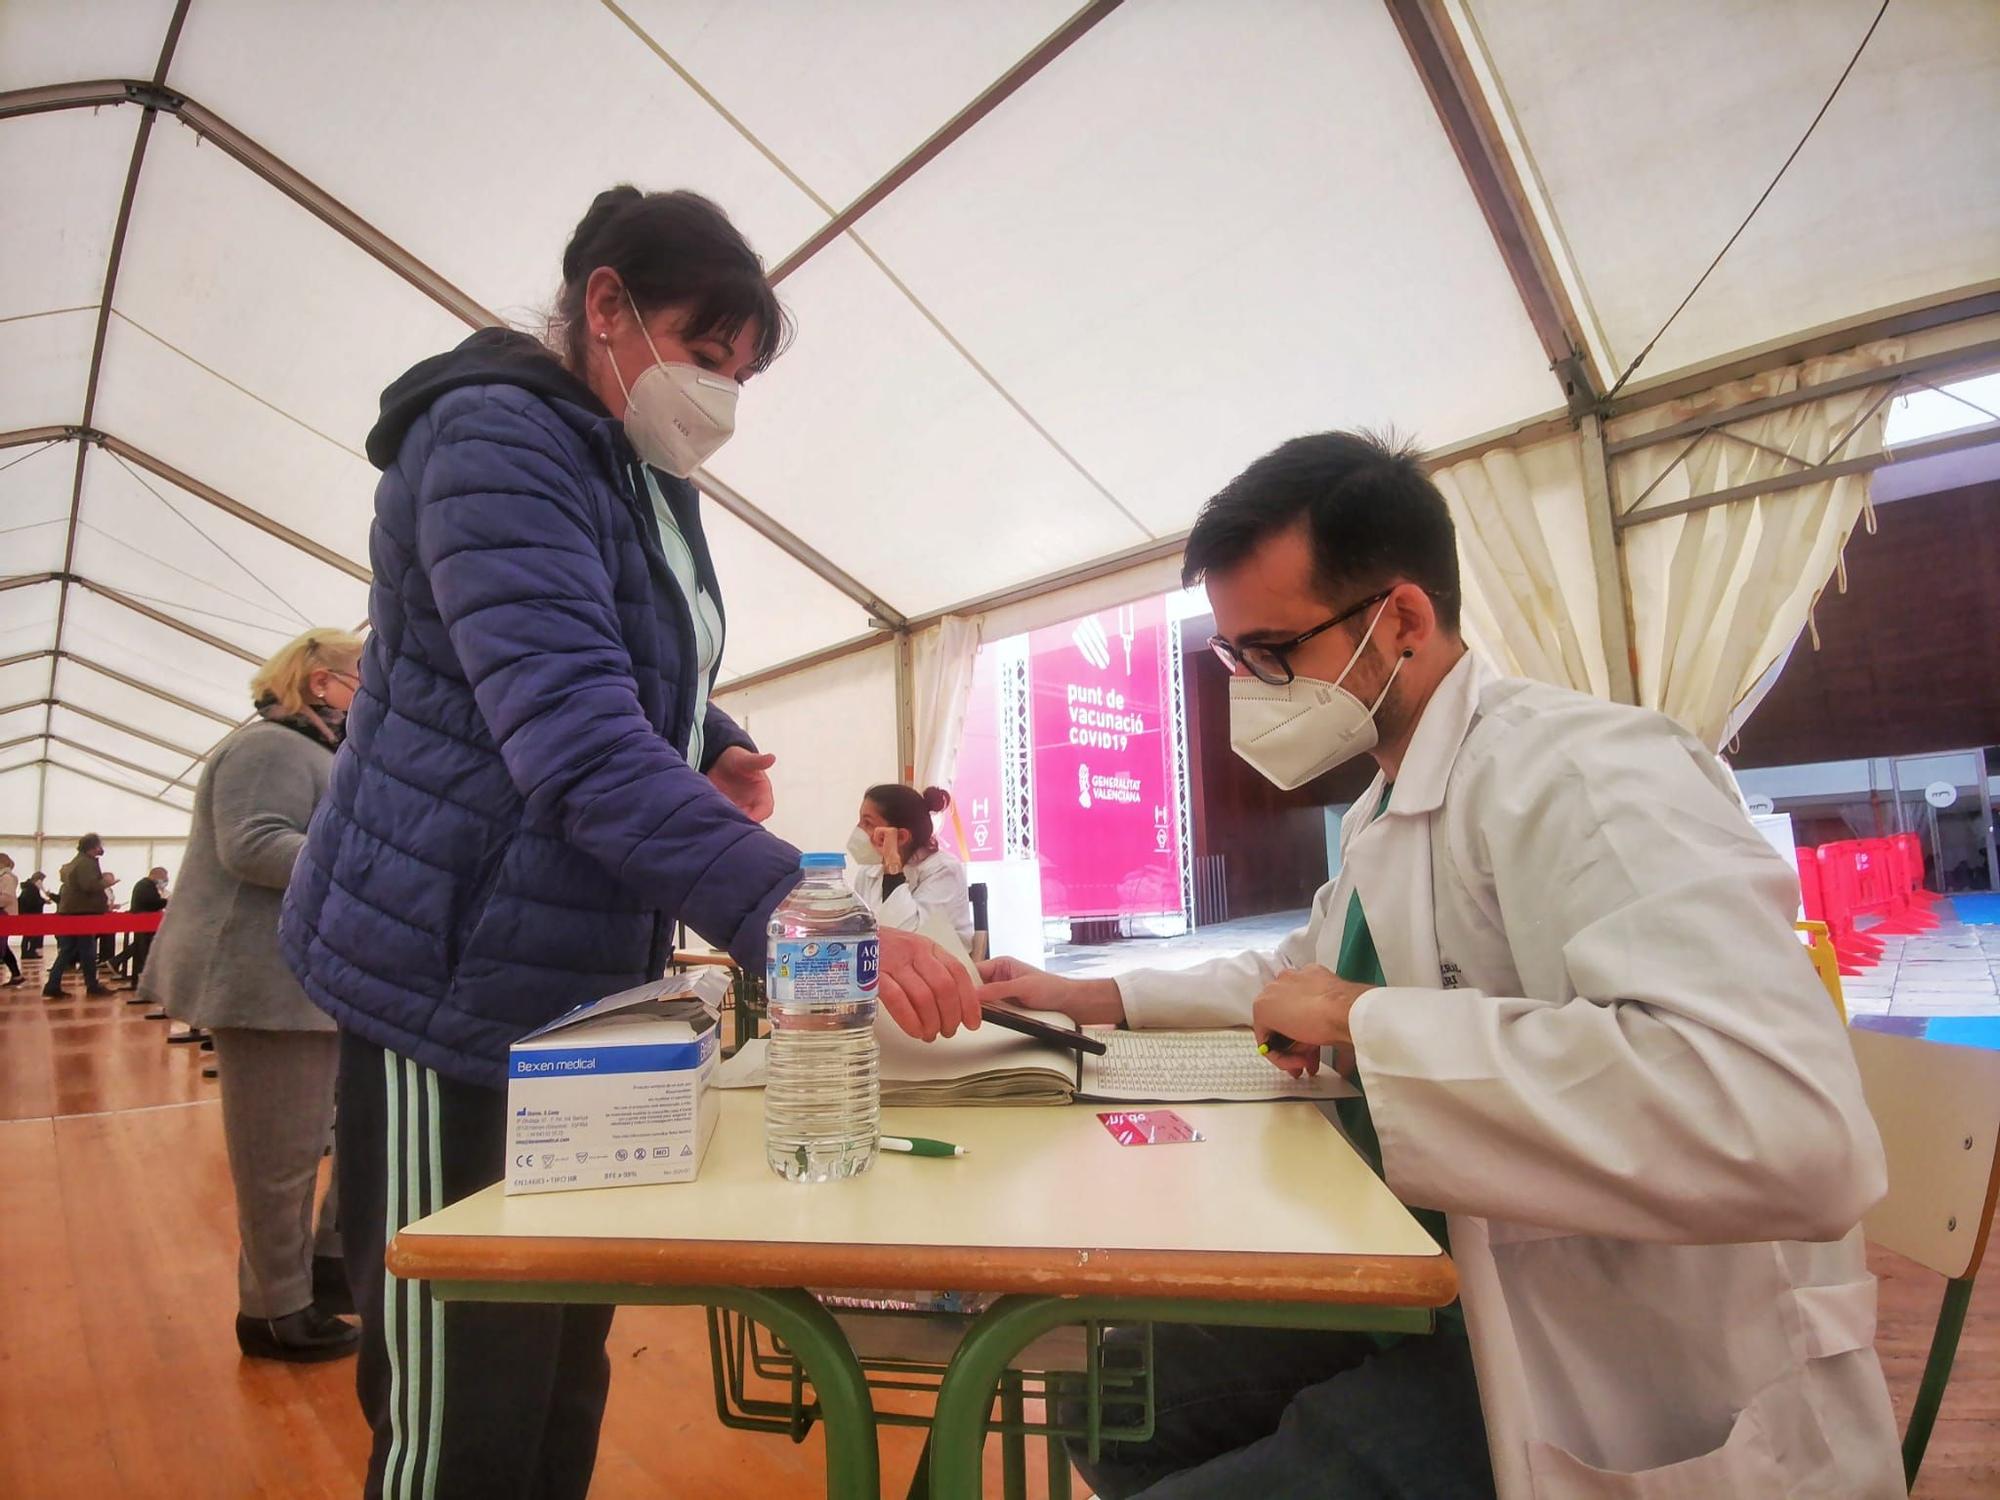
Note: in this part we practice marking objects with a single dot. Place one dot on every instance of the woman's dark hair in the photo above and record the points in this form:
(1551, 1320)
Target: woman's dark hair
(671, 250)
(910, 810)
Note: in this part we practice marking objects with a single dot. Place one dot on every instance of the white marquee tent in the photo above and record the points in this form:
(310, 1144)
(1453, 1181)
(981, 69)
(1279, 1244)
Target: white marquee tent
(1056, 275)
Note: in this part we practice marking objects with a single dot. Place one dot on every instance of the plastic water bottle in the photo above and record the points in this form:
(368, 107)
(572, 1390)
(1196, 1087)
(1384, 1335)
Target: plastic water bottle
(822, 1097)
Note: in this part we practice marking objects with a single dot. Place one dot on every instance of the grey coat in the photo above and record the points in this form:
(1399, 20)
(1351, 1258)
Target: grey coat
(216, 962)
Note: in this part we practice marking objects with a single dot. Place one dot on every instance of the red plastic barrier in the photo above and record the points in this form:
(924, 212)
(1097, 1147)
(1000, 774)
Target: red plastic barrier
(1813, 898)
(1878, 878)
(1890, 888)
(1840, 875)
(54, 926)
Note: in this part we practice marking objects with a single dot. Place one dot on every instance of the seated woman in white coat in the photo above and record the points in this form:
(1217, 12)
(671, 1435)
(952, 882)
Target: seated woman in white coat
(899, 870)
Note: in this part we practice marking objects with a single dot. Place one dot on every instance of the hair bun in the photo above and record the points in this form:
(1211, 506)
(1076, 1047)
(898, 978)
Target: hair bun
(936, 798)
(603, 209)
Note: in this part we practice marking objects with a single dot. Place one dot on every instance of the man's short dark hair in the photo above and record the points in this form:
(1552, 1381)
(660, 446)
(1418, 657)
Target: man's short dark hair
(1371, 513)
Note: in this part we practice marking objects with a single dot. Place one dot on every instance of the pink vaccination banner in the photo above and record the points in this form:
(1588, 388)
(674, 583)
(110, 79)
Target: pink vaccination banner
(975, 787)
(1104, 826)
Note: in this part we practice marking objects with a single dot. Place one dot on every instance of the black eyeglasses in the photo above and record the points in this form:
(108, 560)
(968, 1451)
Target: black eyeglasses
(1270, 661)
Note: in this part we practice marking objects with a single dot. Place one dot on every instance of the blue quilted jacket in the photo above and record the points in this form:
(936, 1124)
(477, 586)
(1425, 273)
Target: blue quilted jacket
(509, 830)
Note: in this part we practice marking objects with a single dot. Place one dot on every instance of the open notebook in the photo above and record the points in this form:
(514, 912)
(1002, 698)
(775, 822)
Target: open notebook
(992, 1066)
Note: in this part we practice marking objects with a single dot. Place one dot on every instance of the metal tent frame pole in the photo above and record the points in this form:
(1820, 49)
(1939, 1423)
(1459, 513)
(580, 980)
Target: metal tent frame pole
(1438, 55)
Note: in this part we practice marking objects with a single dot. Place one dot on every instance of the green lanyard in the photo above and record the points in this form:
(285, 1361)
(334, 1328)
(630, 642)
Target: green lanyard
(1359, 963)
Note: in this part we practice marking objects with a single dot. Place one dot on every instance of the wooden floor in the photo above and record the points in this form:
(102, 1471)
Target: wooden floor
(119, 1374)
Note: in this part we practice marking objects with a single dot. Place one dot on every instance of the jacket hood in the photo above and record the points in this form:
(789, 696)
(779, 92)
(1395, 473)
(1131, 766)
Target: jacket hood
(492, 356)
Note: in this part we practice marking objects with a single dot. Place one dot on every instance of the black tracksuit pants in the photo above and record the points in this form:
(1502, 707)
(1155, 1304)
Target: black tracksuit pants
(467, 1400)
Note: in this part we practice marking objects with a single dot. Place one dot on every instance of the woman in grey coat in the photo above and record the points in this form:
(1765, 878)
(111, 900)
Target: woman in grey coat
(216, 966)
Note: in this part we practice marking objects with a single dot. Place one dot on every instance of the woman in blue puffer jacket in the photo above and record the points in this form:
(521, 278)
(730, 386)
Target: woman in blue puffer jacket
(534, 718)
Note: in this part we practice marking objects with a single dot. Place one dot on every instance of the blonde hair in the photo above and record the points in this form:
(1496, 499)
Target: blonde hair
(282, 680)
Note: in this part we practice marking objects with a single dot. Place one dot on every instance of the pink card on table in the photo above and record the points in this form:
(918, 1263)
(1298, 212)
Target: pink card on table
(1148, 1127)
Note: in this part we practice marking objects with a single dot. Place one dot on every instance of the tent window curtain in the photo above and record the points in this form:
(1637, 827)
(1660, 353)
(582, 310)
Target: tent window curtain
(1530, 592)
(1720, 594)
(944, 663)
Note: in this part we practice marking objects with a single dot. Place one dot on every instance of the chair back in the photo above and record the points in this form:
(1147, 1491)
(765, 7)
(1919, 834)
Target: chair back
(1938, 1108)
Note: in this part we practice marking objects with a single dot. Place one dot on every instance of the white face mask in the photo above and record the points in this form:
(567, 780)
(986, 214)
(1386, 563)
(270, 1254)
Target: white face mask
(675, 415)
(861, 848)
(1304, 729)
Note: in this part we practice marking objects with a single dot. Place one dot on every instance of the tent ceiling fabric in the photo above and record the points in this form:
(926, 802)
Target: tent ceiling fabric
(1686, 110)
(1196, 231)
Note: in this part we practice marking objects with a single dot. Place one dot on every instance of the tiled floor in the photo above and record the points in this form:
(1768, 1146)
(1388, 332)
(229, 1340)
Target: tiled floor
(1952, 970)
(1101, 960)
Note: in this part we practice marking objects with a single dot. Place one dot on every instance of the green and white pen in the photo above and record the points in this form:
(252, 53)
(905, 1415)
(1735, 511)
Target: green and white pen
(920, 1147)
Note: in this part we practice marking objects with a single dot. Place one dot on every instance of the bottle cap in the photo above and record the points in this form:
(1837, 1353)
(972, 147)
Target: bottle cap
(822, 861)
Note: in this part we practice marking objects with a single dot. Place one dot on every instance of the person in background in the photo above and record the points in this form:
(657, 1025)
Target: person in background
(34, 901)
(534, 717)
(10, 906)
(149, 894)
(899, 870)
(86, 892)
(217, 967)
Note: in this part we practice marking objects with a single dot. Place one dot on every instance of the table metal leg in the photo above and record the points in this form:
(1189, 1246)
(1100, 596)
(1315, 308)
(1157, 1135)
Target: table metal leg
(965, 1400)
(1013, 1445)
(853, 1465)
(1058, 1458)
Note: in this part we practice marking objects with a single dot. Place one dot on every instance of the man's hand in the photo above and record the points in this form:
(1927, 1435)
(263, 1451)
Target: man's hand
(925, 990)
(1089, 1002)
(1311, 1006)
(743, 776)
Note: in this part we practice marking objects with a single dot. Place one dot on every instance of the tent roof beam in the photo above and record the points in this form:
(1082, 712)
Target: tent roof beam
(161, 617)
(156, 98)
(1462, 110)
(1884, 323)
(1944, 361)
(139, 685)
(116, 786)
(1972, 437)
(123, 728)
(149, 772)
(159, 468)
(997, 93)
(798, 549)
(119, 230)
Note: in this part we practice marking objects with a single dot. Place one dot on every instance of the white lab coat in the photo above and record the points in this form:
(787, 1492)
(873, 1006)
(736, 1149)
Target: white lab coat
(1602, 1051)
(934, 883)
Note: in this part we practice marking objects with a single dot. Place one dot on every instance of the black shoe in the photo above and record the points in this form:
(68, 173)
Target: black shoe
(52, 992)
(305, 1337)
(330, 1289)
(99, 993)
(137, 1000)
(158, 1015)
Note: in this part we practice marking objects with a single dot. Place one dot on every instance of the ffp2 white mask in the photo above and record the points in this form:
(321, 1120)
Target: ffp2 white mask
(1292, 732)
(676, 415)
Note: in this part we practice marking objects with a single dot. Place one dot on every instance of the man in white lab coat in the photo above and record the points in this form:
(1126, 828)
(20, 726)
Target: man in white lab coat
(1559, 963)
